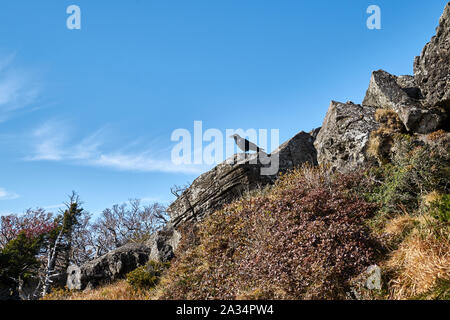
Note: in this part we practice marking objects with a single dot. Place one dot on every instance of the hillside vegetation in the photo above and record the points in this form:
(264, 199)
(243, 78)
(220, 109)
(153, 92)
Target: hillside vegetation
(314, 233)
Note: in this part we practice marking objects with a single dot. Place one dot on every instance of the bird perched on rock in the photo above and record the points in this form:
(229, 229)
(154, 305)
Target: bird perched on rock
(245, 145)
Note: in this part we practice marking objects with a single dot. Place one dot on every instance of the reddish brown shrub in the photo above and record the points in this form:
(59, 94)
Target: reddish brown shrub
(303, 240)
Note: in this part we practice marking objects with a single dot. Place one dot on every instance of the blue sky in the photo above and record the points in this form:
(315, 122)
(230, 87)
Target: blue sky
(92, 110)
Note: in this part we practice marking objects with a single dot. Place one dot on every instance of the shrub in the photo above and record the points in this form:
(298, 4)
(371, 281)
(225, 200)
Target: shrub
(440, 208)
(302, 240)
(437, 135)
(382, 139)
(148, 276)
(416, 170)
(389, 119)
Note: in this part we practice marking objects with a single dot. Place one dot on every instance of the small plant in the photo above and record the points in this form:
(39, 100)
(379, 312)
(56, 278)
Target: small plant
(440, 208)
(148, 276)
(382, 139)
(389, 119)
(416, 169)
(440, 292)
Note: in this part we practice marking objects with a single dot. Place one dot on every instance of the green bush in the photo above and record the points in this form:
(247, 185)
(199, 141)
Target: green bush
(148, 276)
(416, 169)
(440, 209)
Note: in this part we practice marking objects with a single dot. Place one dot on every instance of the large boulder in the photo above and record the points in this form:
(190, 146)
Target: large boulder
(107, 268)
(296, 151)
(343, 138)
(402, 95)
(210, 191)
(432, 67)
(237, 175)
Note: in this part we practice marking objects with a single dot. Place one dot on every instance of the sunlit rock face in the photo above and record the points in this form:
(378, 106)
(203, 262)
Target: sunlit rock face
(432, 67)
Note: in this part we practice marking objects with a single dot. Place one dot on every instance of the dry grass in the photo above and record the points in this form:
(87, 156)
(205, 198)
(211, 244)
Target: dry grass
(119, 290)
(437, 135)
(389, 119)
(381, 140)
(419, 263)
(400, 225)
(429, 198)
(380, 144)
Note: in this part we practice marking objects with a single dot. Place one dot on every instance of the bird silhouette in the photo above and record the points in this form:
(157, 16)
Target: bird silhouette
(245, 145)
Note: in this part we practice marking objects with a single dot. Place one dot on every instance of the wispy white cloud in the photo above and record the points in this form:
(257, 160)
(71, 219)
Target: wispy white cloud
(48, 142)
(54, 206)
(6, 195)
(150, 200)
(141, 162)
(18, 88)
(51, 142)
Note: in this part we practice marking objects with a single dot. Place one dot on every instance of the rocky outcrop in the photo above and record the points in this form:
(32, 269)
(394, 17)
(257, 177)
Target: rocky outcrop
(219, 186)
(105, 269)
(421, 102)
(237, 175)
(432, 67)
(402, 95)
(296, 151)
(342, 141)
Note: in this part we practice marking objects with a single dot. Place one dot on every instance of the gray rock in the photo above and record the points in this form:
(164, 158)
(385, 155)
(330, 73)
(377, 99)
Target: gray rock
(163, 244)
(373, 281)
(401, 95)
(237, 175)
(219, 186)
(314, 132)
(107, 268)
(74, 278)
(342, 141)
(432, 67)
(296, 151)
(367, 285)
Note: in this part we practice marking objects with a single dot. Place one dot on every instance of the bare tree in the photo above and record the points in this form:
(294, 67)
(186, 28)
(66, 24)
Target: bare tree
(126, 223)
(177, 190)
(83, 243)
